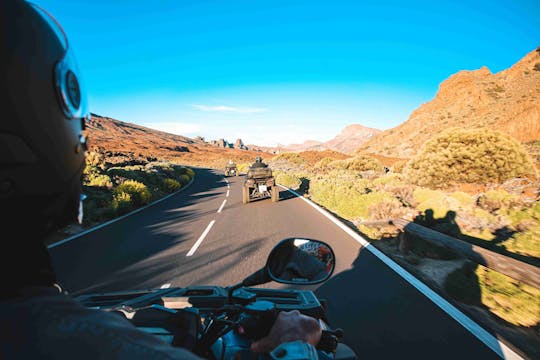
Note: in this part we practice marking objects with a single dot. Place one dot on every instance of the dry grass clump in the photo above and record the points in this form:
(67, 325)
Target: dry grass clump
(469, 156)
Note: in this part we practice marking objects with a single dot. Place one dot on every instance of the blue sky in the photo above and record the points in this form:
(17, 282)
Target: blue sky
(283, 71)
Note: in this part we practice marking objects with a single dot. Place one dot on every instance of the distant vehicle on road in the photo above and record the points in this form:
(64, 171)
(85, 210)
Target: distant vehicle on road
(231, 169)
(259, 183)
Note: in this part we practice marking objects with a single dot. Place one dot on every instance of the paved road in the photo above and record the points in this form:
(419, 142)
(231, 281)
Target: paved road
(383, 316)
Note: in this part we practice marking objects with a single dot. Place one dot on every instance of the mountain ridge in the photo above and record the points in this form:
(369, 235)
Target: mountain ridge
(507, 101)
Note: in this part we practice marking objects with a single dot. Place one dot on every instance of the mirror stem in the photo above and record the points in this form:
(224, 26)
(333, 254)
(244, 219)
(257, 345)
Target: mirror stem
(259, 277)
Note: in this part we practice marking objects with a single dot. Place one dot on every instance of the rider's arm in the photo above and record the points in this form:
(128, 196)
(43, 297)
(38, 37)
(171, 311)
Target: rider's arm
(290, 326)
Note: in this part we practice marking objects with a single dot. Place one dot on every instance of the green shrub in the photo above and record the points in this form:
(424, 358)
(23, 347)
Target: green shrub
(469, 156)
(464, 199)
(121, 203)
(171, 185)
(323, 163)
(357, 163)
(514, 302)
(243, 168)
(190, 172)
(525, 242)
(494, 200)
(387, 179)
(288, 180)
(290, 157)
(95, 159)
(386, 209)
(431, 199)
(398, 166)
(184, 179)
(346, 194)
(98, 180)
(139, 193)
(128, 172)
(404, 193)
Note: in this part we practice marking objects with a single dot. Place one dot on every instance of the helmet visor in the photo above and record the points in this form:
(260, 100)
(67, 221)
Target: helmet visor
(67, 78)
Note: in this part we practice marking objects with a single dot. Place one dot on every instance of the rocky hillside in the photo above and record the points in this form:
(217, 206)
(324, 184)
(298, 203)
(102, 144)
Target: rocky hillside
(347, 141)
(123, 138)
(508, 101)
(350, 138)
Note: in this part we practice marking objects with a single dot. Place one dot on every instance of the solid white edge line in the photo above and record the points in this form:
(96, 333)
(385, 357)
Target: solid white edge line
(73, 237)
(222, 205)
(227, 193)
(483, 335)
(201, 238)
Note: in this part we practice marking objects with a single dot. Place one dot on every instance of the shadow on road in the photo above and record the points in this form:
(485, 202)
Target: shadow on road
(137, 250)
(385, 318)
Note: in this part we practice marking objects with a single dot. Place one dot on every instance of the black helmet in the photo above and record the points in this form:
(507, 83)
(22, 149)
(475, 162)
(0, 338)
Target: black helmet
(258, 159)
(44, 109)
(41, 141)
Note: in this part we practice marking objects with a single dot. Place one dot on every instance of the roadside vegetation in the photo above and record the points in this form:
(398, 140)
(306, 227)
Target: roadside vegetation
(118, 187)
(476, 185)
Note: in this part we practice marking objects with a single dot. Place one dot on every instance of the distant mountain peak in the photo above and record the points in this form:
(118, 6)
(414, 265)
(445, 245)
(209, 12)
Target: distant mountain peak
(347, 141)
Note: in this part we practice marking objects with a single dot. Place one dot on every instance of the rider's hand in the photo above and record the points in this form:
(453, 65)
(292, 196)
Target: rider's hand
(289, 326)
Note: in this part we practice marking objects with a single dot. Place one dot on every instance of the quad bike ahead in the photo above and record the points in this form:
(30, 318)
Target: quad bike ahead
(231, 169)
(220, 323)
(259, 184)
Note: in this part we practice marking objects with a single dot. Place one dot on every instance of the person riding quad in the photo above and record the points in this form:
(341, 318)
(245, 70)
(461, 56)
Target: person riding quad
(42, 157)
(290, 262)
(258, 163)
(319, 251)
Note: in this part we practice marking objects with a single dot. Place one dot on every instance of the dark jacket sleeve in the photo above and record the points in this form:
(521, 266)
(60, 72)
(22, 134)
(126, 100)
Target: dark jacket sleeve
(54, 326)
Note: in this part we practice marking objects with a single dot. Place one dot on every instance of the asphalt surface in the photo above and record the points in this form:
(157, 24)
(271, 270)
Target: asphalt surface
(383, 316)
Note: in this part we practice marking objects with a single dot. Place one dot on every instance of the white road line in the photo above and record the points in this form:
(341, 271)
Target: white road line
(165, 286)
(227, 193)
(228, 186)
(222, 205)
(489, 340)
(201, 238)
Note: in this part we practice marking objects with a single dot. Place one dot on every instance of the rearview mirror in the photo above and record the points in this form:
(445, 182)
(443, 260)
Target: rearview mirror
(301, 261)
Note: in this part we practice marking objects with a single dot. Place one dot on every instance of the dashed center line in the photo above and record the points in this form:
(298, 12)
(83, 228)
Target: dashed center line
(227, 193)
(165, 286)
(201, 238)
(222, 205)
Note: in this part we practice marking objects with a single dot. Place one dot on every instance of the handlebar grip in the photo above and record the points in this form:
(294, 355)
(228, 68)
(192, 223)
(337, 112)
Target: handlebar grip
(257, 320)
(255, 327)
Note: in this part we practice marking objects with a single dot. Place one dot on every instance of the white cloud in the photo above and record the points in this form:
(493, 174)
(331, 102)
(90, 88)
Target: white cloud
(175, 128)
(223, 108)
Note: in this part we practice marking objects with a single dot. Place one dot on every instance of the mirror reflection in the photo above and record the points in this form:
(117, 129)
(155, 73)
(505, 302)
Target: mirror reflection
(301, 261)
